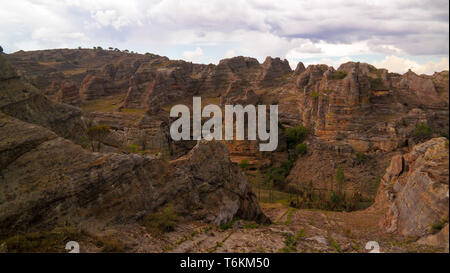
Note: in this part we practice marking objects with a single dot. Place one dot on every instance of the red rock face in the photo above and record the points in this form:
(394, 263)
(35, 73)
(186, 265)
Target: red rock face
(69, 94)
(364, 108)
(354, 108)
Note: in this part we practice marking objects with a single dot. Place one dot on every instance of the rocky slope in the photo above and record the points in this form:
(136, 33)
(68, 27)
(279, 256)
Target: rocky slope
(415, 190)
(46, 180)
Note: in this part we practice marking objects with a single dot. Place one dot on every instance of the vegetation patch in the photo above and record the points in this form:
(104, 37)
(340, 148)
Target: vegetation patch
(53, 241)
(244, 163)
(301, 149)
(360, 158)
(334, 244)
(337, 75)
(229, 224)
(295, 135)
(422, 130)
(290, 244)
(160, 222)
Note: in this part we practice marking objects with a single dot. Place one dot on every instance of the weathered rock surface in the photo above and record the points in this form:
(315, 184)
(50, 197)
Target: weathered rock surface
(41, 186)
(25, 102)
(415, 189)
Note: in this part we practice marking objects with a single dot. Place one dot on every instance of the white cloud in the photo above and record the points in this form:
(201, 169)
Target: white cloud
(401, 65)
(230, 53)
(194, 55)
(292, 29)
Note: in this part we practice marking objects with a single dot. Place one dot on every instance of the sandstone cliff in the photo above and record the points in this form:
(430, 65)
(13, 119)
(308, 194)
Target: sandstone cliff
(415, 190)
(47, 180)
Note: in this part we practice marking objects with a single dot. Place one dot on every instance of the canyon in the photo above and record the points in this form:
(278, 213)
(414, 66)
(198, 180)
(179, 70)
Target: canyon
(86, 152)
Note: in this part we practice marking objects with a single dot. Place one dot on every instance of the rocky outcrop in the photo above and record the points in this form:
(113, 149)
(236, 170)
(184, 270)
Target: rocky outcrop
(41, 186)
(415, 189)
(92, 87)
(237, 93)
(275, 71)
(25, 102)
(69, 94)
(361, 108)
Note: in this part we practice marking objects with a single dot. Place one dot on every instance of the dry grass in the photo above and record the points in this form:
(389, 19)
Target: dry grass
(108, 104)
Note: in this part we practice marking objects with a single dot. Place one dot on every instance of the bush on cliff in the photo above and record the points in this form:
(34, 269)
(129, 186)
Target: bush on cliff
(97, 133)
(338, 75)
(422, 130)
(295, 135)
(244, 164)
(301, 149)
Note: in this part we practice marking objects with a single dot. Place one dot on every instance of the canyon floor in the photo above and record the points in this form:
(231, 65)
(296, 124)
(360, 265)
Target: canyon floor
(292, 231)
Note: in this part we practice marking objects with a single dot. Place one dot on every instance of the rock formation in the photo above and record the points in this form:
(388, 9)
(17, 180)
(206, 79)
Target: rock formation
(47, 180)
(415, 190)
(357, 117)
(42, 187)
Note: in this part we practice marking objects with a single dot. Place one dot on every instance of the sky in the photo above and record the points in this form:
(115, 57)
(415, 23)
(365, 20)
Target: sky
(393, 34)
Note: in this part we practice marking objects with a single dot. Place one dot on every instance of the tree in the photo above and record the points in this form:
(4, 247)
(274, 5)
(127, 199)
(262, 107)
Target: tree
(97, 133)
(301, 149)
(340, 178)
(295, 135)
(1, 49)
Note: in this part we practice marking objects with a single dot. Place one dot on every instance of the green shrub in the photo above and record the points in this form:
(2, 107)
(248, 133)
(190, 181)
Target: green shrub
(300, 234)
(287, 166)
(337, 75)
(97, 133)
(376, 184)
(244, 163)
(314, 94)
(277, 176)
(301, 149)
(160, 222)
(43, 241)
(133, 148)
(290, 244)
(295, 135)
(335, 199)
(360, 157)
(440, 225)
(422, 130)
(334, 244)
(229, 224)
(340, 178)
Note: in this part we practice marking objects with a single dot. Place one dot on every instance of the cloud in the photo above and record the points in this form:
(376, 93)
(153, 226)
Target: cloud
(292, 29)
(401, 65)
(194, 55)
